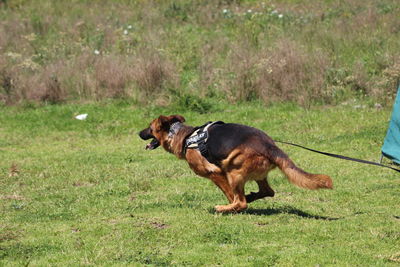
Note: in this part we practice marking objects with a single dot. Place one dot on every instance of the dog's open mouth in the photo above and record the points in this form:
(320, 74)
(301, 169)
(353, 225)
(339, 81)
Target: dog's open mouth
(153, 144)
(146, 135)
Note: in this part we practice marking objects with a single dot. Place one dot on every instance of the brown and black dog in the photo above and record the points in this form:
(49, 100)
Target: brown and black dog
(239, 154)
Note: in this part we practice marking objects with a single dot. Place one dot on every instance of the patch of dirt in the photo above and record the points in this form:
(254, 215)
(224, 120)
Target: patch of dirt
(82, 184)
(13, 196)
(158, 225)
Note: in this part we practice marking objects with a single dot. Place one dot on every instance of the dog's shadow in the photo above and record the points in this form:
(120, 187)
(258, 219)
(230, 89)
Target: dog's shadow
(282, 210)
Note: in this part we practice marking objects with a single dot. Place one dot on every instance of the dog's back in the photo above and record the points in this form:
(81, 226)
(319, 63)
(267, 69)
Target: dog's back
(224, 138)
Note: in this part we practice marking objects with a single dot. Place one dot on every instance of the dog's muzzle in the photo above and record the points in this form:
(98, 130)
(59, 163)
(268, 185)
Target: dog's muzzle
(146, 135)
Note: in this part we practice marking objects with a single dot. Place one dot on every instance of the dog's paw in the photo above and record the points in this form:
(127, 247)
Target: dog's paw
(220, 208)
(251, 197)
(230, 208)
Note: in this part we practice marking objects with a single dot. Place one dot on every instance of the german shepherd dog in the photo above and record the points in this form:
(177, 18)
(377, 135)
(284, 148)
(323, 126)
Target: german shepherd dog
(240, 153)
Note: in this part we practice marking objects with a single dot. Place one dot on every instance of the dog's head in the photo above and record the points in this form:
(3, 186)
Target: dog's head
(158, 130)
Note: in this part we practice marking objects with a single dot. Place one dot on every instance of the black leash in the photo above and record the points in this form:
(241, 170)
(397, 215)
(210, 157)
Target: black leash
(340, 156)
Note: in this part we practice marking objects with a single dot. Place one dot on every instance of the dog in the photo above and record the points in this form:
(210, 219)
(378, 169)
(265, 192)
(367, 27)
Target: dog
(234, 155)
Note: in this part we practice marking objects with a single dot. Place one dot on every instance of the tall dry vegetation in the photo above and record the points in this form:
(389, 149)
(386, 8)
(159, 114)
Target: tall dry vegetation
(306, 51)
(284, 72)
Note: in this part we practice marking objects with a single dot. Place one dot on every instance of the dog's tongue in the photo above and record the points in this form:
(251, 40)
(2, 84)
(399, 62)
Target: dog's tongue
(149, 147)
(153, 145)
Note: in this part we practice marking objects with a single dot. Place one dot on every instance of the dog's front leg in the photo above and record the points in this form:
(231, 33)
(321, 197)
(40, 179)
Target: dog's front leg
(239, 203)
(222, 182)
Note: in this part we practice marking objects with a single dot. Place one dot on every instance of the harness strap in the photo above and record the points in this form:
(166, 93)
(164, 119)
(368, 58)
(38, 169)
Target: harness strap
(198, 139)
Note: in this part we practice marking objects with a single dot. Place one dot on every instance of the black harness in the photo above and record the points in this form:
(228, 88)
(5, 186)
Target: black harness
(198, 139)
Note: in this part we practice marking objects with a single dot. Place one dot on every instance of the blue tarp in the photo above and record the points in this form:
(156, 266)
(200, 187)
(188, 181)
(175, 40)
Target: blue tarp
(391, 145)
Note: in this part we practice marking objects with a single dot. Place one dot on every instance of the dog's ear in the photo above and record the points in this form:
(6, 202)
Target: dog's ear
(163, 120)
(166, 121)
(176, 118)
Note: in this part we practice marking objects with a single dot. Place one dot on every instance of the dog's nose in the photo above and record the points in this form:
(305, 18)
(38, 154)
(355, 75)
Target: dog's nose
(145, 134)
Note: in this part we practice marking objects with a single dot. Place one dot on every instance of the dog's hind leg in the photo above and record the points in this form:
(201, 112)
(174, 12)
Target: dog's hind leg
(222, 182)
(264, 191)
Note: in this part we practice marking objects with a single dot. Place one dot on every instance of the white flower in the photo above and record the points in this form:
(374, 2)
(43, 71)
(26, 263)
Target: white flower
(125, 32)
(129, 27)
(225, 11)
(249, 11)
(280, 16)
(81, 117)
(96, 52)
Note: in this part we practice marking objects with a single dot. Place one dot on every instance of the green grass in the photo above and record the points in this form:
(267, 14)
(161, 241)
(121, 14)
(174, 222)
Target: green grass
(87, 193)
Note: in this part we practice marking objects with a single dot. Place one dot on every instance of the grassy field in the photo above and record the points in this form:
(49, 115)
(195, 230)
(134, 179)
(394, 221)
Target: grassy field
(87, 193)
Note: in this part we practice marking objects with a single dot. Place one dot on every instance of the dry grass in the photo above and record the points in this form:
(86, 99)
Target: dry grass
(292, 73)
(111, 77)
(283, 73)
(153, 74)
(88, 76)
(242, 50)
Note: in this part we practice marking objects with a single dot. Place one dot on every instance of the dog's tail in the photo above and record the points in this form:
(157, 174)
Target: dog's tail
(299, 177)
